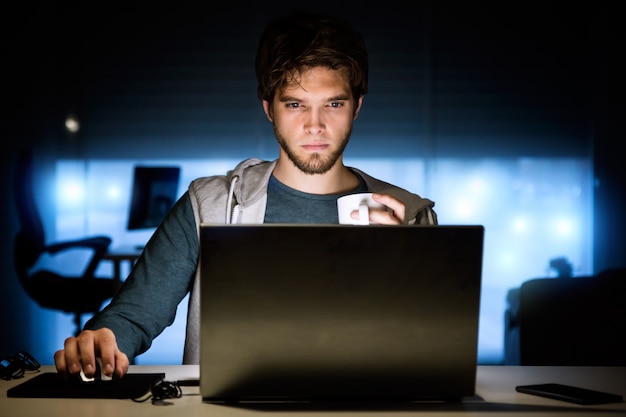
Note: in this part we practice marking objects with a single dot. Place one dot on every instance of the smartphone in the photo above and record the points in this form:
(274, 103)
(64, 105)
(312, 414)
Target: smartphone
(570, 394)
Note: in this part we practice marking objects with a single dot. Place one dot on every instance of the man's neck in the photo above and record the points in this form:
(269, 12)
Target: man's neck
(337, 180)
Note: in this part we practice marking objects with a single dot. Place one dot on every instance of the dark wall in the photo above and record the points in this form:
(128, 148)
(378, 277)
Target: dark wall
(459, 79)
(447, 79)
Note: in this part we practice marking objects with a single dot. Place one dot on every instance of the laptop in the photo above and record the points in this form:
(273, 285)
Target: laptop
(339, 312)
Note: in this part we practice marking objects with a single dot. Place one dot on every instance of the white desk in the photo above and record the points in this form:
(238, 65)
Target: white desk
(495, 385)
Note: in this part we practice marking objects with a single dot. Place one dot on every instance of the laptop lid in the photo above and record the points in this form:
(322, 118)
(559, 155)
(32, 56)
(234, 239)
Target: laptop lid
(339, 312)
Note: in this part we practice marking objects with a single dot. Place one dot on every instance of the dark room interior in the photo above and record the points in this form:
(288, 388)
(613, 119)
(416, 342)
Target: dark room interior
(467, 82)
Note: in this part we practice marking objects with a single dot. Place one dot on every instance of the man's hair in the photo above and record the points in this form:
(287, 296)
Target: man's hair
(294, 43)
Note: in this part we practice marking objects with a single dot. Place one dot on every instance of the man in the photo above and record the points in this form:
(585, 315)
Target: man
(312, 74)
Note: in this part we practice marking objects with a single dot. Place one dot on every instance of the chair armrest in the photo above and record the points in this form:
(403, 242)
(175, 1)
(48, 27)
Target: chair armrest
(97, 243)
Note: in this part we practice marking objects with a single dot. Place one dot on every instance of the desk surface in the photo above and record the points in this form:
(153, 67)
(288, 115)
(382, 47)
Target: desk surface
(123, 253)
(495, 386)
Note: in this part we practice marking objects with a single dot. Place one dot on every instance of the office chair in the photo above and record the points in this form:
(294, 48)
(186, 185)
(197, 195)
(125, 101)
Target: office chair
(79, 294)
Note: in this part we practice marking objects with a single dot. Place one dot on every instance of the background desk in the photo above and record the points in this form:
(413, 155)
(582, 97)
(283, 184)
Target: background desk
(121, 254)
(495, 385)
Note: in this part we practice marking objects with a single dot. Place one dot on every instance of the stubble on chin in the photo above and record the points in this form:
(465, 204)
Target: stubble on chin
(313, 164)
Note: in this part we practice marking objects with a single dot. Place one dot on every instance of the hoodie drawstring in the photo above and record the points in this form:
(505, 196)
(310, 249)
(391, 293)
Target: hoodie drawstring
(229, 201)
(430, 217)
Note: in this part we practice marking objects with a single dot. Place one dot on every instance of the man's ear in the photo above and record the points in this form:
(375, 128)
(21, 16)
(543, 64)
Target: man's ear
(357, 108)
(267, 108)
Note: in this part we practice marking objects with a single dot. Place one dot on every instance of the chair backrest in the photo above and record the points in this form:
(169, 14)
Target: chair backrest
(30, 240)
(577, 321)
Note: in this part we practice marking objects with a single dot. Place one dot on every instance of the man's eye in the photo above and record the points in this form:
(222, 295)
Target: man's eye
(336, 104)
(293, 105)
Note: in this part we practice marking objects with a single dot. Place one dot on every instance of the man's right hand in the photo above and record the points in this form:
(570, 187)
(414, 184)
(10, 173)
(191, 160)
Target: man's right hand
(80, 352)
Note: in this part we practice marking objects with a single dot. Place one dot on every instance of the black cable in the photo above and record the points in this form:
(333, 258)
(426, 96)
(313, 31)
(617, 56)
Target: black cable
(160, 391)
(16, 366)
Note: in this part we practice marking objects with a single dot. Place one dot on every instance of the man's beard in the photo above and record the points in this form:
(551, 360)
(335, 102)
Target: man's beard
(314, 163)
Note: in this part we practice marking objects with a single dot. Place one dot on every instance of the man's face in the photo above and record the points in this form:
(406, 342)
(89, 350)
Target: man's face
(313, 117)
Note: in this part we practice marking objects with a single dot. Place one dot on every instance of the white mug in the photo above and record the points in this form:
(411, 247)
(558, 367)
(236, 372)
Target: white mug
(361, 202)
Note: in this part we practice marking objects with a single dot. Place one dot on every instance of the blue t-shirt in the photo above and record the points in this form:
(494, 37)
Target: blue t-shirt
(287, 205)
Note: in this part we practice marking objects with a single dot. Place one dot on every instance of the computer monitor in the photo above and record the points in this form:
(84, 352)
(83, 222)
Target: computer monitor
(154, 192)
